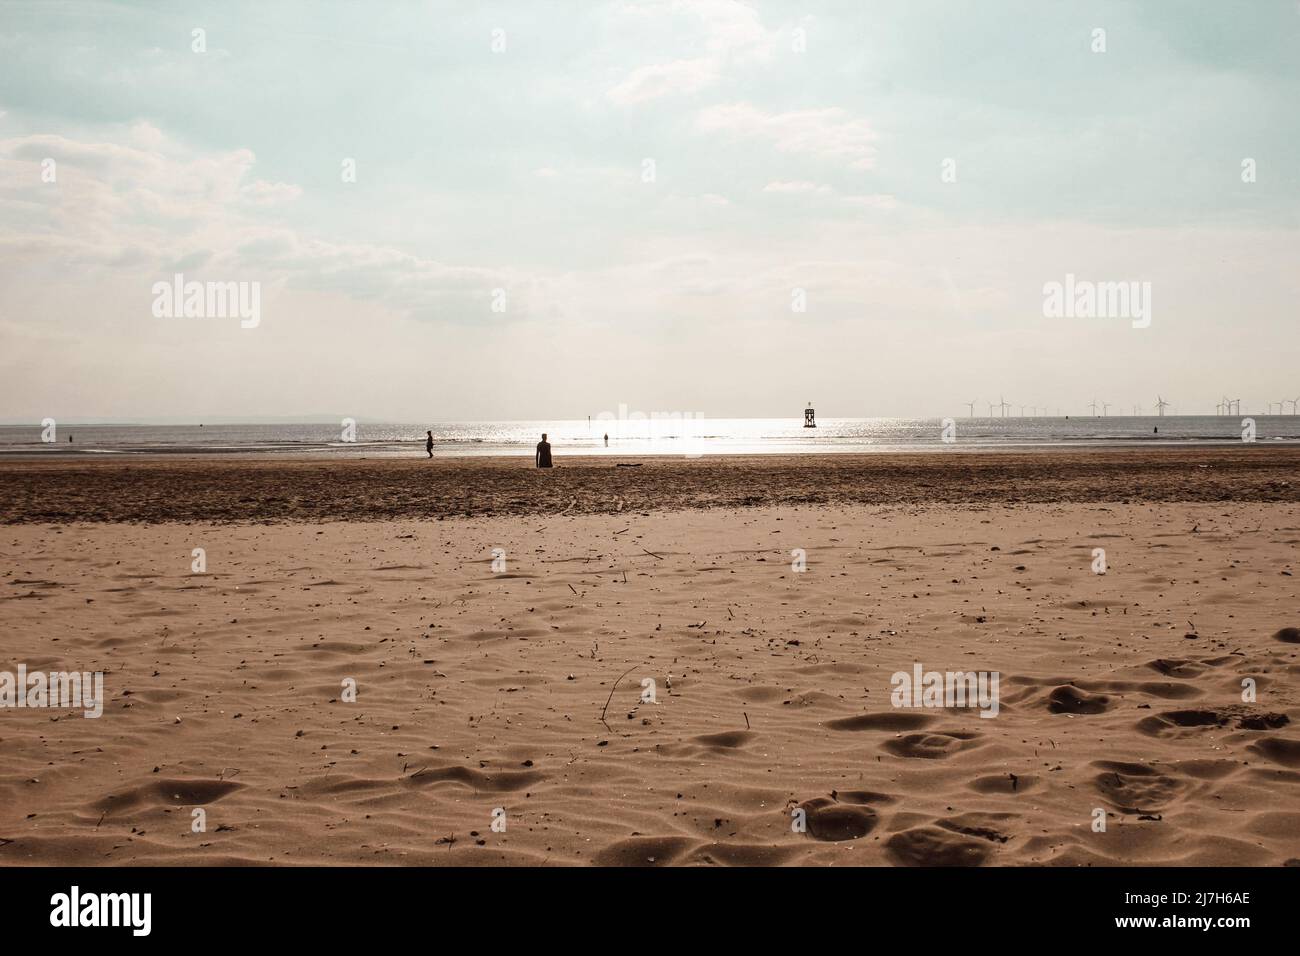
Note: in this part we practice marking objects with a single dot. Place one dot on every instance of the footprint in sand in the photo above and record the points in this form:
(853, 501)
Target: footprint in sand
(175, 792)
(862, 796)
(833, 821)
(1177, 667)
(936, 846)
(1263, 721)
(1172, 723)
(498, 782)
(1068, 699)
(1005, 783)
(1135, 787)
(644, 851)
(984, 826)
(1185, 723)
(760, 694)
(889, 720)
(931, 746)
(1279, 750)
(728, 741)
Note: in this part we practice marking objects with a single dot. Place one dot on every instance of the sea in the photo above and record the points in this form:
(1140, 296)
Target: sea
(669, 435)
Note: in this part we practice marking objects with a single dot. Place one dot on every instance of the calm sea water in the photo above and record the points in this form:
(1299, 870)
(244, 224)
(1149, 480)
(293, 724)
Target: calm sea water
(680, 436)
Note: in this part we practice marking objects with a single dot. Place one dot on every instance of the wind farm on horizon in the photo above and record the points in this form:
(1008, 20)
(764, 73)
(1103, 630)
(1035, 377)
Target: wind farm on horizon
(1097, 408)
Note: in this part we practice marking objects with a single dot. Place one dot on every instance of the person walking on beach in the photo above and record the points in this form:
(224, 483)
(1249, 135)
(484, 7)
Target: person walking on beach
(543, 452)
(428, 443)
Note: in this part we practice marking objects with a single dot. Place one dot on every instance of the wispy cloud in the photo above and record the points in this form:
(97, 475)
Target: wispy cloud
(729, 33)
(662, 79)
(831, 133)
(150, 205)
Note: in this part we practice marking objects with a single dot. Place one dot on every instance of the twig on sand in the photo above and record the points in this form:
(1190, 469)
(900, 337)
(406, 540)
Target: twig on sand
(746, 720)
(611, 696)
(573, 589)
(653, 555)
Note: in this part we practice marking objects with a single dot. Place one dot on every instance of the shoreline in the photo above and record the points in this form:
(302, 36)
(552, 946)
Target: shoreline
(226, 490)
(414, 449)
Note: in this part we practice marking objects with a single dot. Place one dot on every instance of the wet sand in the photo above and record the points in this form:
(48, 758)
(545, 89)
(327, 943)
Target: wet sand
(156, 489)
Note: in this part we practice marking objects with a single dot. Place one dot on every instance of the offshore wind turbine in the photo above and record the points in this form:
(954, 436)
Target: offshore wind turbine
(1005, 405)
(1295, 405)
(1093, 406)
(1161, 405)
(1105, 409)
(971, 406)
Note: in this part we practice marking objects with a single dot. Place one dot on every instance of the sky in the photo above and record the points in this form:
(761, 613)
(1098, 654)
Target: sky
(541, 210)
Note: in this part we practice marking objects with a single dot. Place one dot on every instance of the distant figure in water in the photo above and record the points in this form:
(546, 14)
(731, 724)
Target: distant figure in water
(606, 439)
(543, 452)
(428, 443)
(1156, 430)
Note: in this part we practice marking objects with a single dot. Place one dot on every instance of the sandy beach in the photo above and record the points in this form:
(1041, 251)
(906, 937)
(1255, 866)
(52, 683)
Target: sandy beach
(505, 631)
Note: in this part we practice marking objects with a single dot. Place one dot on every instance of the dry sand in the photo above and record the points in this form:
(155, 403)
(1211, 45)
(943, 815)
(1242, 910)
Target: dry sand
(480, 690)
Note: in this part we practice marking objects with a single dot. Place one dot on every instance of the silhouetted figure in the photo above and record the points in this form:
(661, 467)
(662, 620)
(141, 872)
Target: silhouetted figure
(606, 439)
(543, 452)
(428, 443)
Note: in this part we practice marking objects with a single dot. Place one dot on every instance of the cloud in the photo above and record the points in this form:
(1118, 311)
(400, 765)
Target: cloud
(151, 205)
(723, 27)
(831, 133)
(730, 34)
(661, 79)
